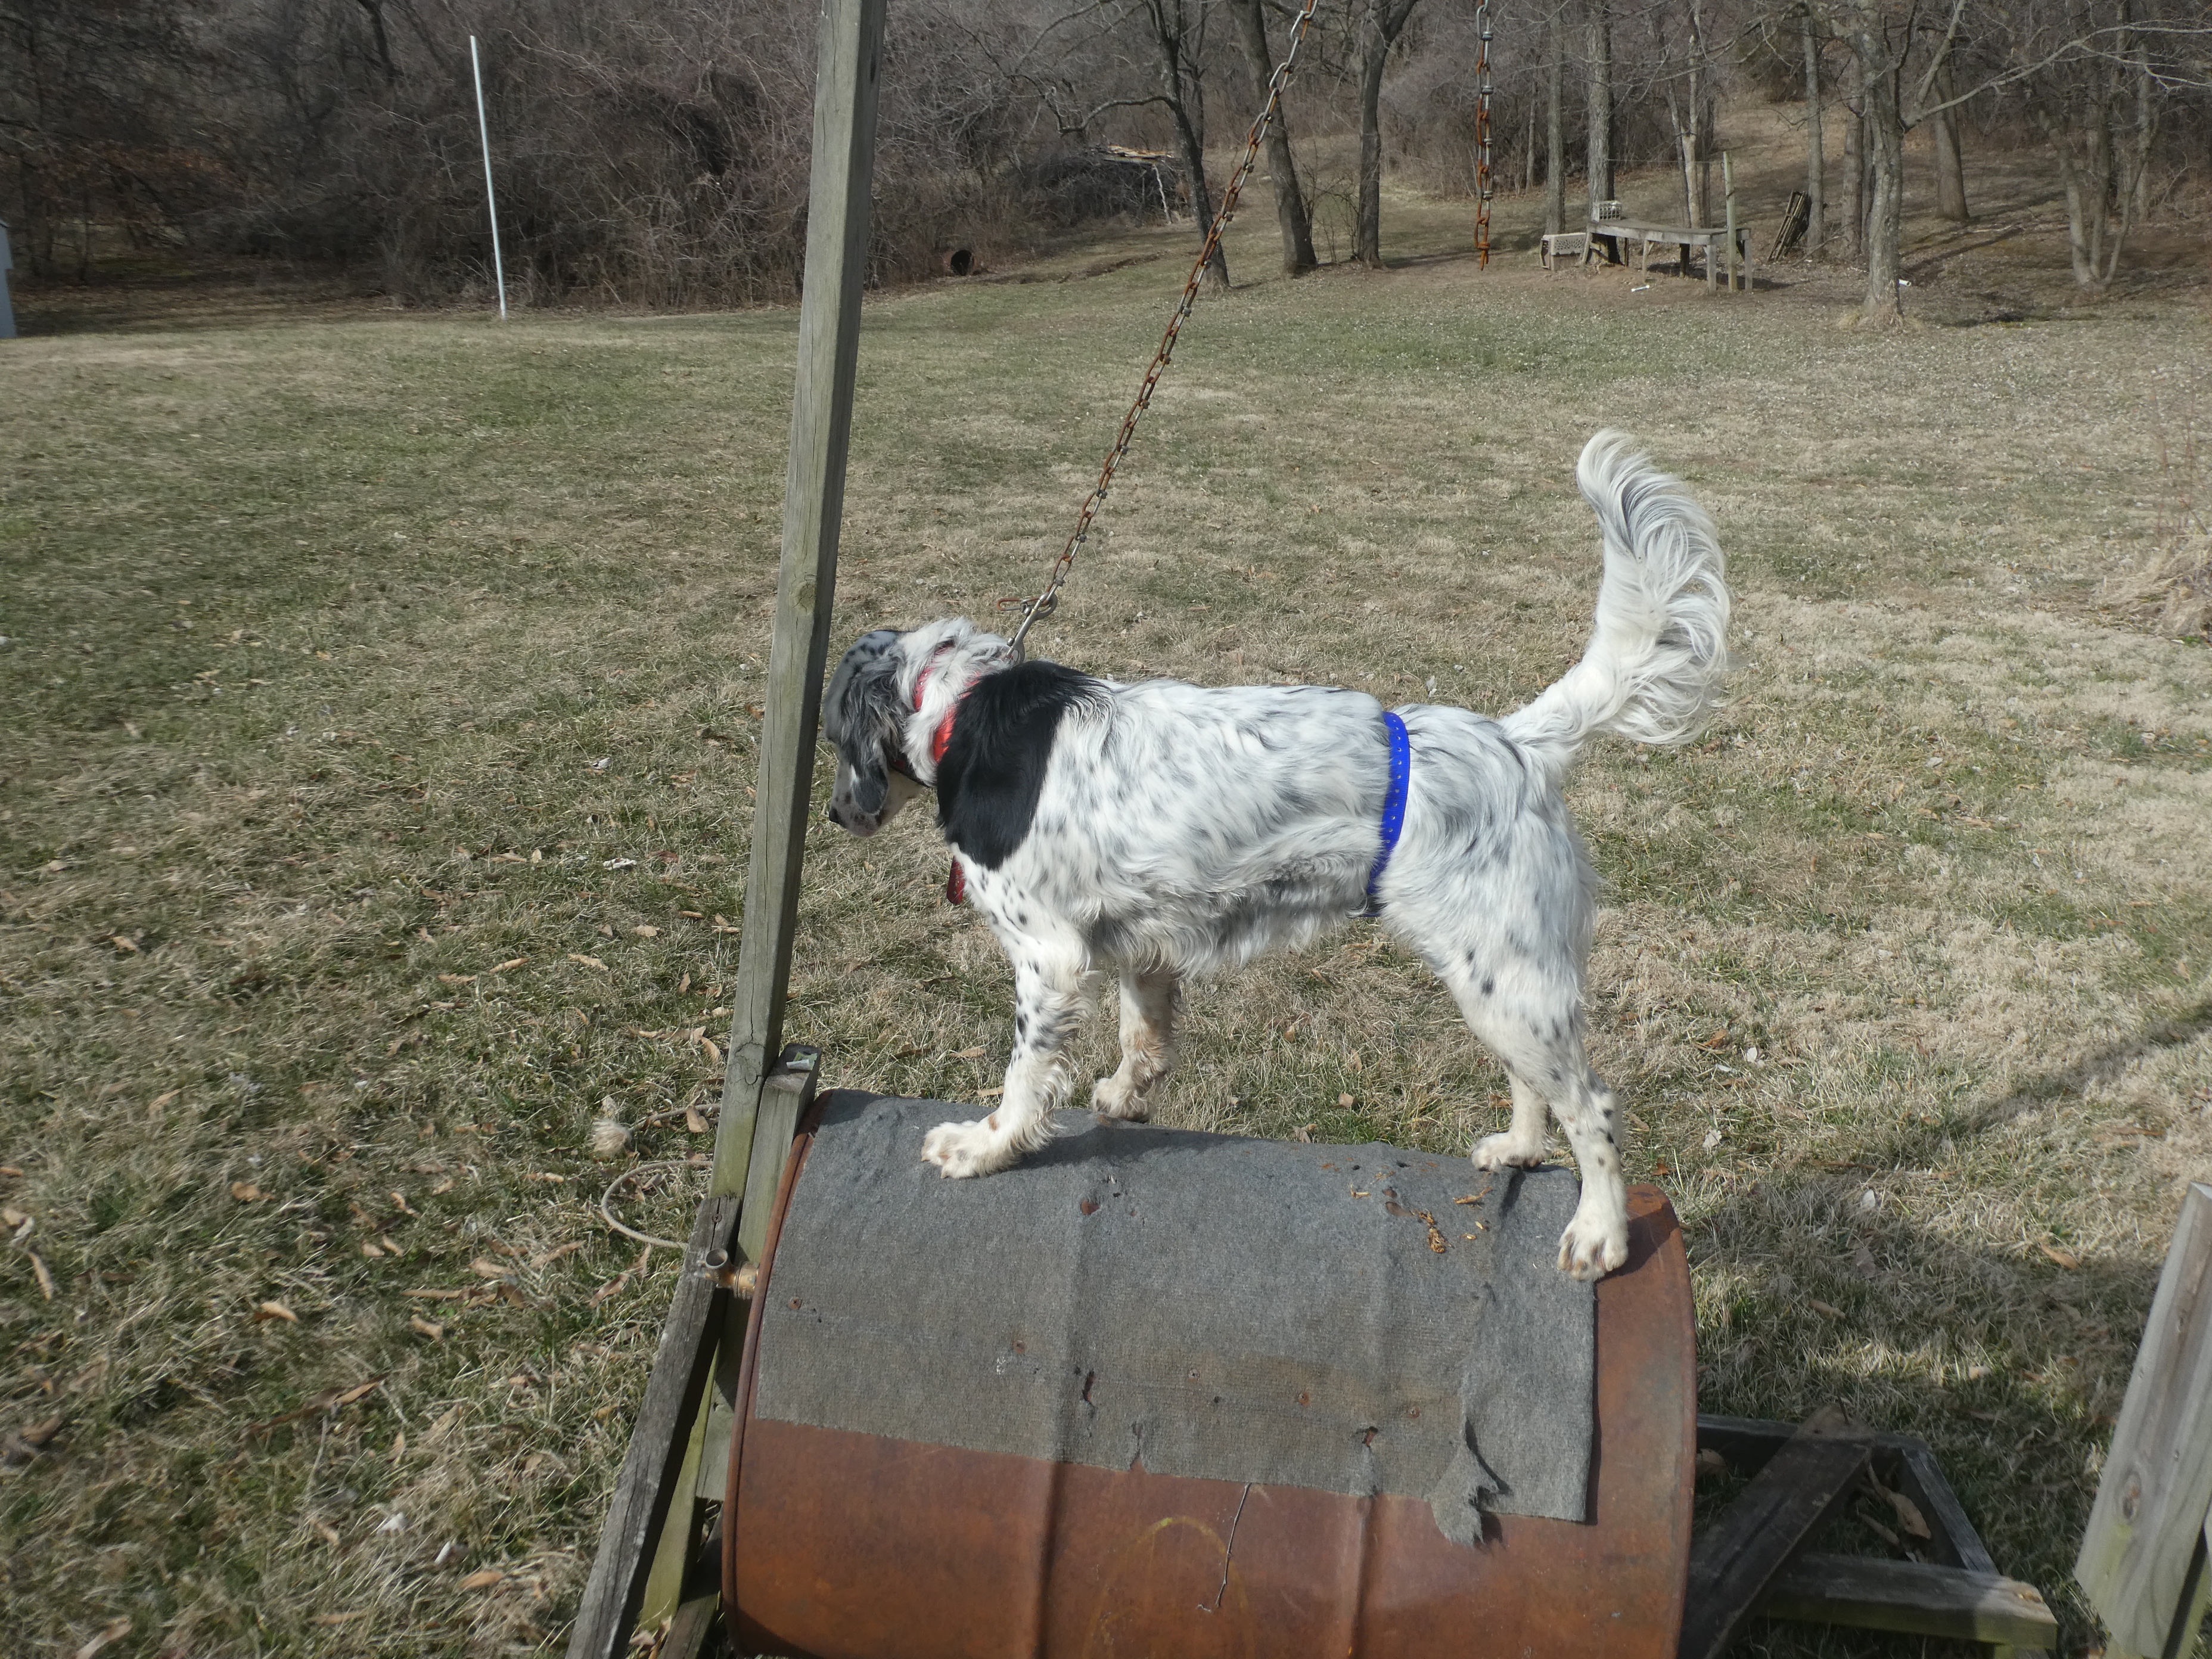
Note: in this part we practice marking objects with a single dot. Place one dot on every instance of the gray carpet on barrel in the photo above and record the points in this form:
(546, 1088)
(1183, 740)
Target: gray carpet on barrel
(1217, 1307)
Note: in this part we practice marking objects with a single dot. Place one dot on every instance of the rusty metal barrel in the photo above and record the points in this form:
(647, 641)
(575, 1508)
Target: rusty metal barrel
(960, 1520)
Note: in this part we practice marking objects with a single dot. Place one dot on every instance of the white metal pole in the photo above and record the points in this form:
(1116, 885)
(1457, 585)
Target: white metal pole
(491, 201)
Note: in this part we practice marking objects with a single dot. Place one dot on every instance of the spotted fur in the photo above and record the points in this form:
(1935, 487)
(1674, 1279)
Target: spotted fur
(1159, 830)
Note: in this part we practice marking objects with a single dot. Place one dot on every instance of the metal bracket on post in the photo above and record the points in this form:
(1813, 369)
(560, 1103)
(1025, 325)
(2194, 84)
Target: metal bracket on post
(670, 1446)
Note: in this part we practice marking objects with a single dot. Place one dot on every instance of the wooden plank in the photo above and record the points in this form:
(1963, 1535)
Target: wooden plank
(652, 1469)
(2141, 1549)
(847, 73)
(1955, 1541)
(1748, 1442)
(697, 1623)
(785, 1100)
(1918, 1598)
(1769, 1524)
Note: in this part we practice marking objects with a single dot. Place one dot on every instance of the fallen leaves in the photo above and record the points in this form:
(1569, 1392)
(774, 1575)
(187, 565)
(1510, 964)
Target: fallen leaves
(107, 1637)
(2065, 1259)
(428, 1328)
(483, 1580)
(21, 1445)
(508, 966)
(1823, 1308)
(330, 1400)
(967, 1054)
(588, 962)
(614, 1286)
(246, 1193)
(44, 1274)
(266, 1310)
(484, 1269)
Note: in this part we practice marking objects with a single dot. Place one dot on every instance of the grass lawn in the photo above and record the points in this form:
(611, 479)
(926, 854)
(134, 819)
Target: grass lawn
(374, 802)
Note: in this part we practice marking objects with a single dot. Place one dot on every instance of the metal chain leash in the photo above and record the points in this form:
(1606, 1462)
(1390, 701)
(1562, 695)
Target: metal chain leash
(1482, 133)
(1048, 601)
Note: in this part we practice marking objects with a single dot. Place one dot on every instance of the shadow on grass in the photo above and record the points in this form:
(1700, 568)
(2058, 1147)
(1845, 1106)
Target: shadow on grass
(2010, 1363)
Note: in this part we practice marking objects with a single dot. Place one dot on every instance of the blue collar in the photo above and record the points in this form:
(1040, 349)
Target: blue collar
(1393, 807)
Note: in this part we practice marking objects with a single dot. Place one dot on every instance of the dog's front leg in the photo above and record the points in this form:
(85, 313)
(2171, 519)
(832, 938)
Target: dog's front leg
(1051, 996)
(1148, 1016)
(1521, 1146)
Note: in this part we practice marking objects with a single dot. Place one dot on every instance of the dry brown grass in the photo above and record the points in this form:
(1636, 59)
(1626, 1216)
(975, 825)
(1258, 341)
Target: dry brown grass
(319, 634)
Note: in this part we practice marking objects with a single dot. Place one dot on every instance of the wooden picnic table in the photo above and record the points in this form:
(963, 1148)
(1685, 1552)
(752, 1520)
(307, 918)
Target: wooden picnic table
(1710, 237)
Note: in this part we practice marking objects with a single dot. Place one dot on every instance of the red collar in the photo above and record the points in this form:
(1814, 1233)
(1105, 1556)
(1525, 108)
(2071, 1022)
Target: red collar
(942, 737)
(955, 883)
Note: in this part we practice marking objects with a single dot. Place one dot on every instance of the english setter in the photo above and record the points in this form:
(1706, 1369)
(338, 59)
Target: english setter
(1162, 830)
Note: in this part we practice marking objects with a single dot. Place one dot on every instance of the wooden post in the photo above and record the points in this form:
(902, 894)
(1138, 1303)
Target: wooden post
(1728, 194)
(2143, 1558)
(653, 1513)
(850, 60)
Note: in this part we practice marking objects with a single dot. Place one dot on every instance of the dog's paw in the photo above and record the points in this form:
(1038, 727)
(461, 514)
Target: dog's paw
(1589, 1249)
(1502, 1151)
(961, 1150)
(1116, 1096)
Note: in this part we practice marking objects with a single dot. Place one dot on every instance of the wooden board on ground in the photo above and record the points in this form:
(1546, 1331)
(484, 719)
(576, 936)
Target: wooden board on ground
(1917, 1597)
(1769, 1525)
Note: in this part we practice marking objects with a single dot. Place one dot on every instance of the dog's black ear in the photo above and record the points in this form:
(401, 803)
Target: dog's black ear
(860, 716)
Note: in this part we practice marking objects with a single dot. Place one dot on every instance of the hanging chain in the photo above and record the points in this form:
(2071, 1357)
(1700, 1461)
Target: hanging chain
(1482, 133)
(1046, 602)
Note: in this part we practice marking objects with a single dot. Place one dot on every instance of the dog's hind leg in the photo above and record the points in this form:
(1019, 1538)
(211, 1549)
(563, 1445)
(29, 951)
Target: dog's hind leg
(1148, 1016)
(1052, 994)
(1537, 1035)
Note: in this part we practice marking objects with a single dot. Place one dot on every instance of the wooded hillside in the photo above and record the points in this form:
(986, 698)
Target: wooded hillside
(655, 153)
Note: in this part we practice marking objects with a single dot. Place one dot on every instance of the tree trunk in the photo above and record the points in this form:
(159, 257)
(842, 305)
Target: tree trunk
(1599, 167)
(1950, 170)
(1816, 159)
(1201, 194)
(1184, 94)
(1380, 25)
(1555, 147)
(1291, 215)
(2131, 190)
(1855, 182)
(1885, 147)
(1528, 152)
(1367, 244)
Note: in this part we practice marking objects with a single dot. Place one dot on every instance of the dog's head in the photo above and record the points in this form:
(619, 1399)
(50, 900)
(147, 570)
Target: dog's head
(863, 716)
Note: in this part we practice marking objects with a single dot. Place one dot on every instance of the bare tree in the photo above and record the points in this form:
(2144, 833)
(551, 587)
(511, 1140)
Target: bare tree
(1816, 159)
(1555, 148)
(1291, 215)
(1177, 31)
(1950, 166)
(1381, 22)
(2095, 76)
(1598, 116)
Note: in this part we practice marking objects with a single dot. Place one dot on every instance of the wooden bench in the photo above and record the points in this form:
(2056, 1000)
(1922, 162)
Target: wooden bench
(1712, 238)
(1563, 245)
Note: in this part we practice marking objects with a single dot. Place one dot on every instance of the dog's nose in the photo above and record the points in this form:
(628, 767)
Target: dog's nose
(835, 817)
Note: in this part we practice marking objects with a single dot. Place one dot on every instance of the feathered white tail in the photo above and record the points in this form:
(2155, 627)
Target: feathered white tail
(1653, 668)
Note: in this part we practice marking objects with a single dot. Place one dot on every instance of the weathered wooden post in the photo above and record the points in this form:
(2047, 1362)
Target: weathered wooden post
(673, 1451)
(6, 309)
(2143, 1554)
(1728, 194)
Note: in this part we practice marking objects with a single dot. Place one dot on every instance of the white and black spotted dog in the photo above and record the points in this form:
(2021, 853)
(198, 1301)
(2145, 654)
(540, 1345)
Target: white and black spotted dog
(1163, 830)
